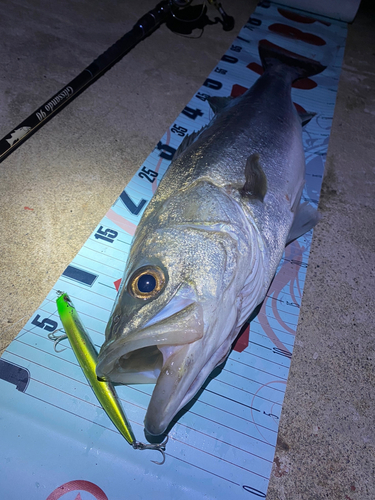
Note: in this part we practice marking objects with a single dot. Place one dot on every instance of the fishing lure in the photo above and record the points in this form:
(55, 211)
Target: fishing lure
(87, 358)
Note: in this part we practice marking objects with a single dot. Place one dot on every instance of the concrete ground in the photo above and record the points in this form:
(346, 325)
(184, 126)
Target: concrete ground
(58, 185)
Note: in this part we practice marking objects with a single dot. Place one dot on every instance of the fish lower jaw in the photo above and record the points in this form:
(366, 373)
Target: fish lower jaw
(178, 383)
(171, 387)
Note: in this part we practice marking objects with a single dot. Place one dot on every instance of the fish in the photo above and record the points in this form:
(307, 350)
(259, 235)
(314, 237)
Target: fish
(209, 243)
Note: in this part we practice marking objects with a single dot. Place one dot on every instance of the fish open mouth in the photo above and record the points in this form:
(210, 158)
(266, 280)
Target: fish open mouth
(172, 351)
(146, 349)
(139, 357)
(156, 353)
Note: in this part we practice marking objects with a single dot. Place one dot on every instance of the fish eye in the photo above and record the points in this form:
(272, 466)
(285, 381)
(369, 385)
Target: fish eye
(146, 282)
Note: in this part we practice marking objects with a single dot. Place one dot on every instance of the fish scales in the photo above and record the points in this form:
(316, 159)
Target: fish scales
(209, 243)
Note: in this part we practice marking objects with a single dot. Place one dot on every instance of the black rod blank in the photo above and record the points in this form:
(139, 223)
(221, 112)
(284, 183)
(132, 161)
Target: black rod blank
(144, 27)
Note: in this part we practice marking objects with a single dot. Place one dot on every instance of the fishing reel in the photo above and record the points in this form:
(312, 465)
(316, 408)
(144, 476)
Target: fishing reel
(194, 16)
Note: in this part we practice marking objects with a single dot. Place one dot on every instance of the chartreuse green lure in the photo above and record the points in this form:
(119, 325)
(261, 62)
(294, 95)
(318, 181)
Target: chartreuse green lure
(87, 358)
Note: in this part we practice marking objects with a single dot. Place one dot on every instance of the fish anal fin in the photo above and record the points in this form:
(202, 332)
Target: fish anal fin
(306, 217)
(217, 104)
(255, 186)
(306, 117)
(296, 196)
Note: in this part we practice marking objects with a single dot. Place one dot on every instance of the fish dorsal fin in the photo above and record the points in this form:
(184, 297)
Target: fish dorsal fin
(256, 181)
(187, 141)
(306, 217)
(306, 117)
(217, 104)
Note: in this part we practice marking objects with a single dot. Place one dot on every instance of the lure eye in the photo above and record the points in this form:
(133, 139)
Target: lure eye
(146, 282)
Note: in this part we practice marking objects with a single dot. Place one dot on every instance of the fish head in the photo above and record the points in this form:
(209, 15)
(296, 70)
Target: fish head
(173, 316)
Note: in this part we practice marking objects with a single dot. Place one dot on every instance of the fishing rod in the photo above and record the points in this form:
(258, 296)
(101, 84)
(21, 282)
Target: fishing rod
(143, 28)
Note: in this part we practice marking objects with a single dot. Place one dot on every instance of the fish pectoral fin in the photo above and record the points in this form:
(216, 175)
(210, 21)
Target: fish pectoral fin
(217, 104)
(256, 181)
(306, 218)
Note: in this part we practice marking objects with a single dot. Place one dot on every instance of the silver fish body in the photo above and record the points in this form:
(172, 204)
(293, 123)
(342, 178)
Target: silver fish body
(210, 241)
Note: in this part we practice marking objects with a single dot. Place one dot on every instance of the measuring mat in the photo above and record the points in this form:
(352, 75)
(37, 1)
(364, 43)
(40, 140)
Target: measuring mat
(56, 439)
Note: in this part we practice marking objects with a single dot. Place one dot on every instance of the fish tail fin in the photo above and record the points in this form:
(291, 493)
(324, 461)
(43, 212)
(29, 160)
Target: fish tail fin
(273, 57)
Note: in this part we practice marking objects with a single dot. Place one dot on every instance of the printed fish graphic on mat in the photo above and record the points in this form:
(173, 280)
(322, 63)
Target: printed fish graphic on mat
(210, 241)
(17, 134)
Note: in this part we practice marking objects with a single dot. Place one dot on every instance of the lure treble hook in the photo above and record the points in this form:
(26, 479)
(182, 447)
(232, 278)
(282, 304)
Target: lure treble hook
(57, 338)
(158, 447)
